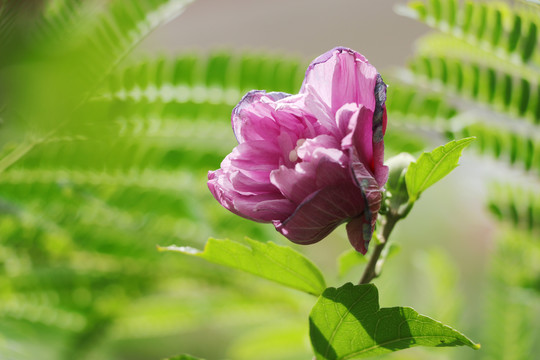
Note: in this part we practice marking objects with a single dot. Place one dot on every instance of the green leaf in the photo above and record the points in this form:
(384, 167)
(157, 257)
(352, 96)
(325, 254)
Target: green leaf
(433, 166)
(267, 260)
(347, 323)
(183, 357)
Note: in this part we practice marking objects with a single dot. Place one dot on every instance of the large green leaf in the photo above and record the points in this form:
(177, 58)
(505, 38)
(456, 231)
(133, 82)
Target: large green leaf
(347, 323)
(183, 357)
(268, 260)
(433, 166)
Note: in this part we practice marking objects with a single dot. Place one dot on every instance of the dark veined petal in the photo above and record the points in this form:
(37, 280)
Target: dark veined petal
(360, 229)
(379, 128)
(327, 167)
(321, 213)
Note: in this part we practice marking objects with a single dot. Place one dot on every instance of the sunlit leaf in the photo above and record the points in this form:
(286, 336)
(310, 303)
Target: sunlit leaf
(278, 263)
(433, 166)
(347, 323)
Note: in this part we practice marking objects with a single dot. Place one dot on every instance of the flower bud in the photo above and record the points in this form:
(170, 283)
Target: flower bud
(396, 185)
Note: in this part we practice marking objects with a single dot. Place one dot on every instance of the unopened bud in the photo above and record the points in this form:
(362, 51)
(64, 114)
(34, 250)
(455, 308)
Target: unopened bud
(396, 185)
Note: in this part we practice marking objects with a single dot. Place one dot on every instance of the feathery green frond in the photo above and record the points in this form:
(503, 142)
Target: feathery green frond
(412, 106)
(75, 65)
(61, 17)
(511, 316)
(120, 28)
(505, 144)
(515, 95)
(495, 26)
(220, 77)
(518, 206)
(517, 263)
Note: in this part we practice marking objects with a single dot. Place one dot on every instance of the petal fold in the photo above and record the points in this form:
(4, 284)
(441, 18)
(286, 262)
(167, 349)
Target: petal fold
(321, 213)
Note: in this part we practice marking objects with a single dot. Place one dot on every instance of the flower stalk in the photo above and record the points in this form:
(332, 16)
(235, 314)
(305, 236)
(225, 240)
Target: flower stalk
(389, 220)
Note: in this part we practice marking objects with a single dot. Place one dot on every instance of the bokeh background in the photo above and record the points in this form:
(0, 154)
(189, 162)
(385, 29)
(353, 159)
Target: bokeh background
(92, 180)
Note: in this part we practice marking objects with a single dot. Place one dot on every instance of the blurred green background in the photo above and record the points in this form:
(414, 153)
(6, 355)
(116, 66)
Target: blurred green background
(108, 129)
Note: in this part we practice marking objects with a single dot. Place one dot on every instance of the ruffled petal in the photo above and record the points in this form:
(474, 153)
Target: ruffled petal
(221, 188)
(307, 177)
(261, 207)
(357, 122)
(257, 155)
(252, 117)
(313, 150)
(321, 111)
(295, 184)
(251, 185)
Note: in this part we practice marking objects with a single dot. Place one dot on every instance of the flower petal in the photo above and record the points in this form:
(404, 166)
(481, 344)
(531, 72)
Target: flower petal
(295, 184)
(379, 128)
(328, 167)
(249, 185)
(261, 207)
(380, 171)
(341, 76)
(256, 155)
(321, 146)
(357, 120)
(357, 231)
(251, 118)
(321, 213)
(360, 231)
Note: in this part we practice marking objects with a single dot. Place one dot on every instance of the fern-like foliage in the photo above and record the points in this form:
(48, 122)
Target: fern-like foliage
(501, 89)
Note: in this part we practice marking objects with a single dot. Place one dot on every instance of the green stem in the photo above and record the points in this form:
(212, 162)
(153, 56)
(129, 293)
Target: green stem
(15, 155)
(21, 150)
(372, 270)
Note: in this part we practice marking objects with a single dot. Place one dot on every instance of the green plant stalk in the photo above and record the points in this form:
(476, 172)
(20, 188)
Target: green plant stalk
(374, 267)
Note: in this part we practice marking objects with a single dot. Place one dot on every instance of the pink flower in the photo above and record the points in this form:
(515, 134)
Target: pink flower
(312, 161)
